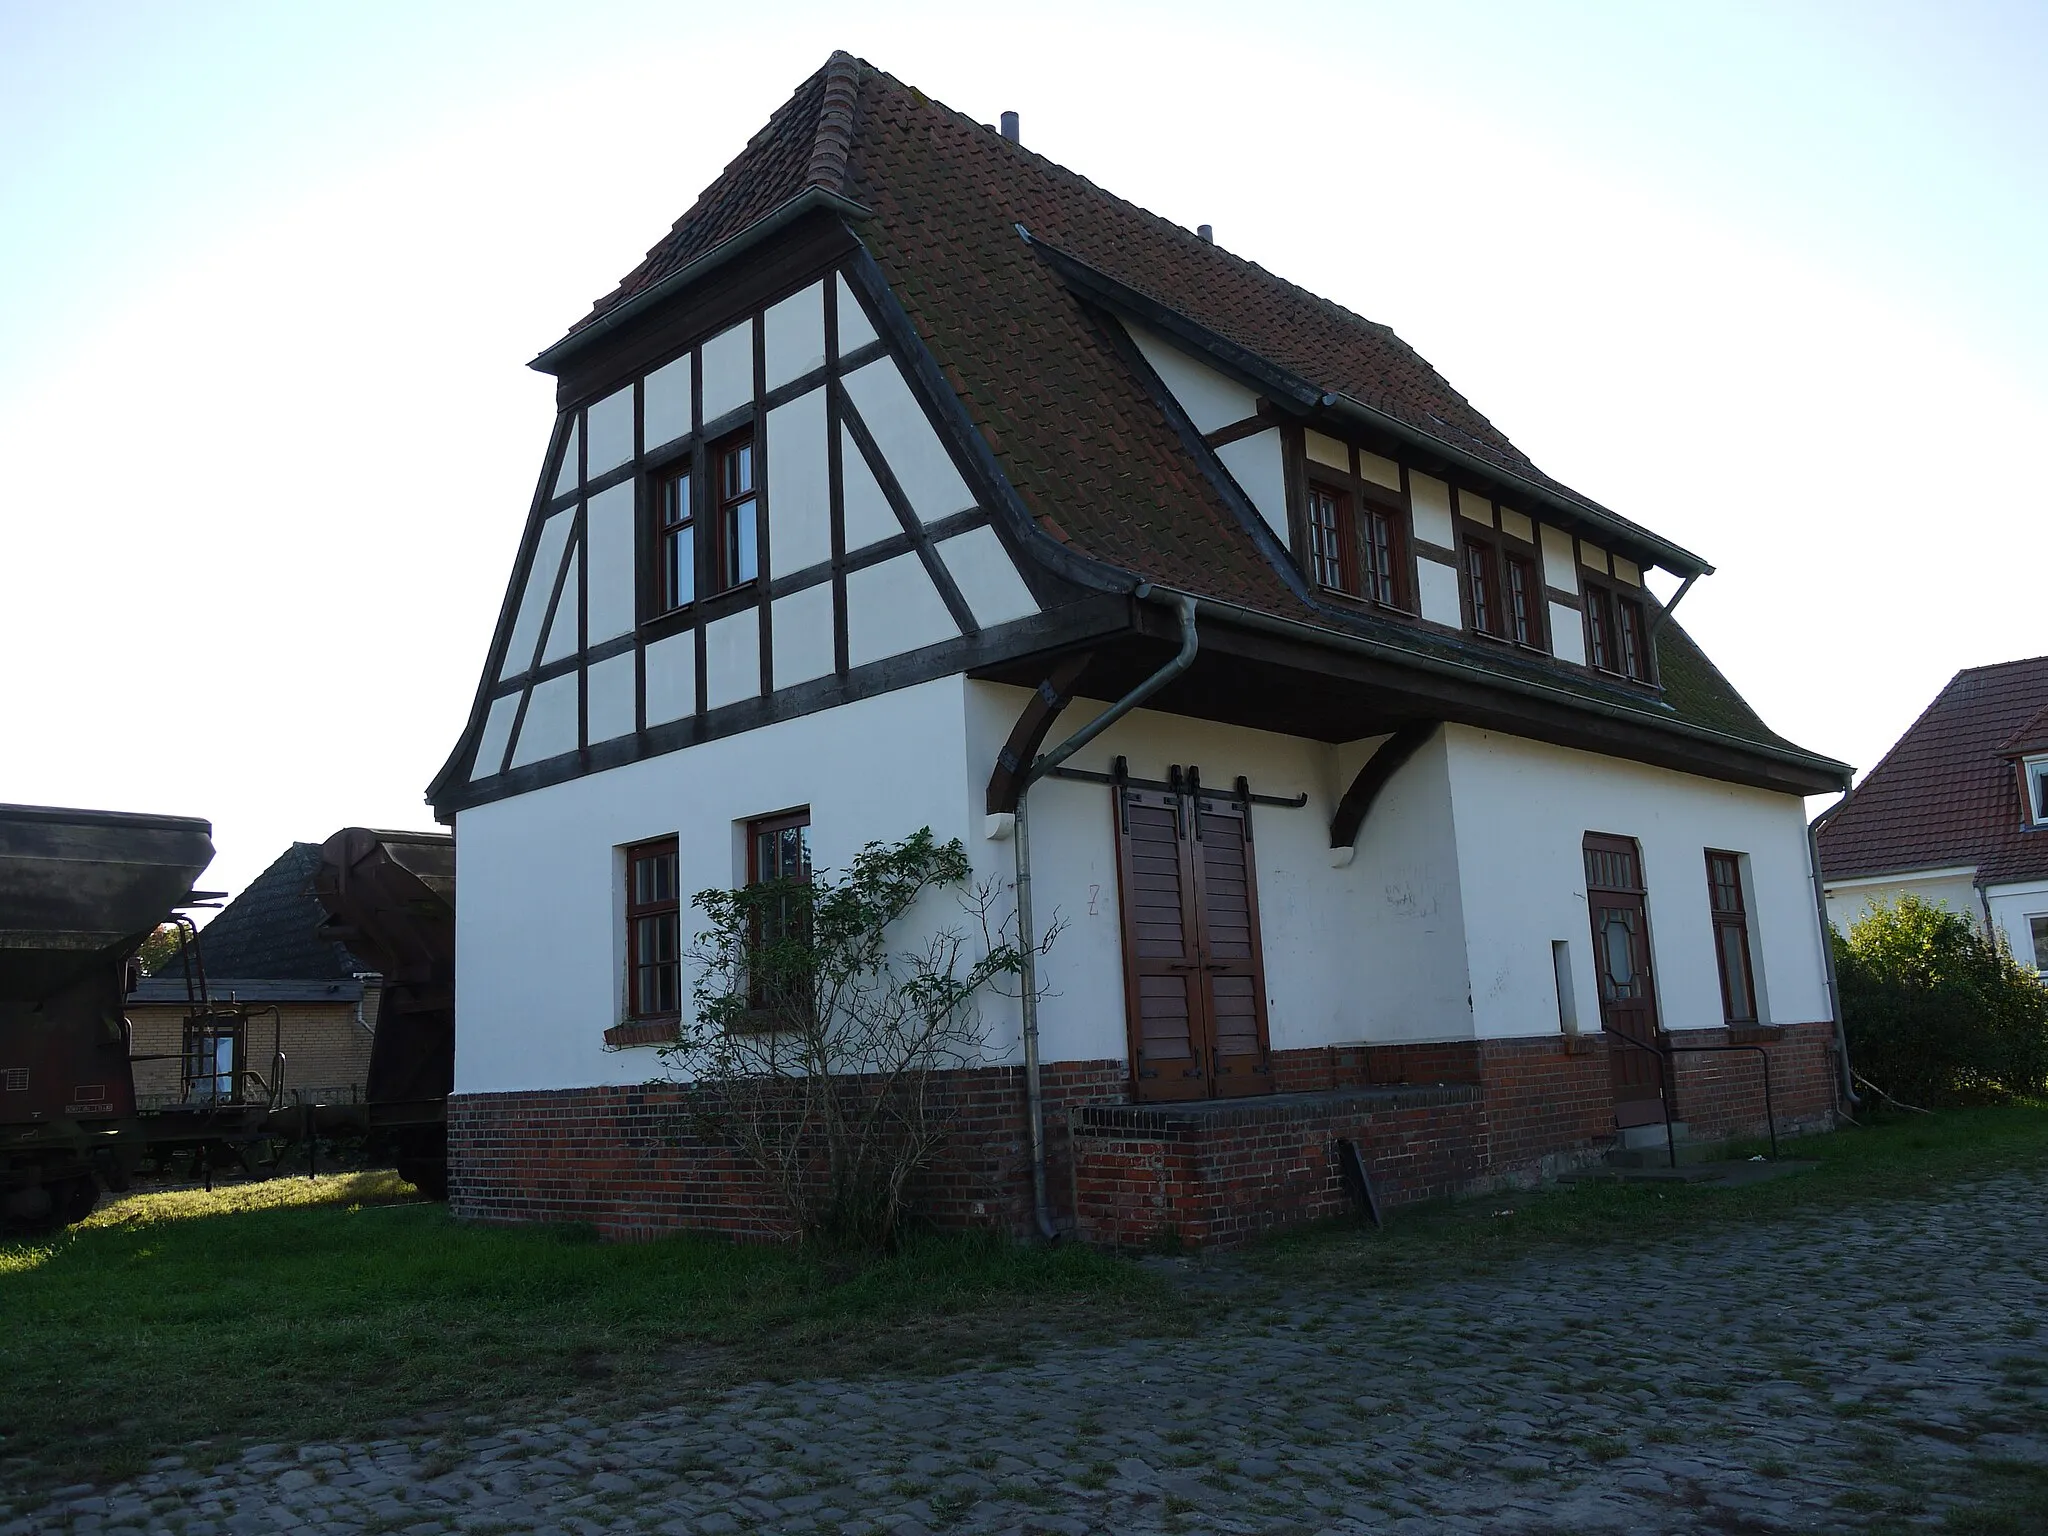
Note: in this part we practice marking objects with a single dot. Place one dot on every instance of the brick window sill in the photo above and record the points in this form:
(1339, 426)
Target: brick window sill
(643, 1032)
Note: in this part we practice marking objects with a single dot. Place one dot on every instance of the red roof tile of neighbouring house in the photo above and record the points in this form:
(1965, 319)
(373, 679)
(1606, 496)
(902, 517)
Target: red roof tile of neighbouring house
(1948, 793)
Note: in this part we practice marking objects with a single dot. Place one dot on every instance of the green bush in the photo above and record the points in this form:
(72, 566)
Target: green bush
(1938, 1014)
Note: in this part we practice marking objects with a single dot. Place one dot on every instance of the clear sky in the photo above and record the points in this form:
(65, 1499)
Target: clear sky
(1767, 278)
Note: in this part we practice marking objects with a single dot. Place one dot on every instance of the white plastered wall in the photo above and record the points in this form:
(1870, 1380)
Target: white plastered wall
(1374, 950)
(540, 939)
(1523, 809)
(1850, 901)
(2011, 906)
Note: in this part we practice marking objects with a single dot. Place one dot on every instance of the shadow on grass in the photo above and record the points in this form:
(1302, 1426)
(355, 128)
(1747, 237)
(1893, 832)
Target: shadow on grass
(301, 1309)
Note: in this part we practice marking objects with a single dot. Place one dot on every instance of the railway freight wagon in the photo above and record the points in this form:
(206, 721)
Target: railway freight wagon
(391, 896)
(79, 892)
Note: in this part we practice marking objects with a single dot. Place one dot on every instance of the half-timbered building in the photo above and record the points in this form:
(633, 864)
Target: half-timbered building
(1419, 823)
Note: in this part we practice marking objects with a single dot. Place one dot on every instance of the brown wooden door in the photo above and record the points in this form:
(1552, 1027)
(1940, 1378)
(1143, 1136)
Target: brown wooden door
(1621, 964)
(1233, 979)
(1194, 986)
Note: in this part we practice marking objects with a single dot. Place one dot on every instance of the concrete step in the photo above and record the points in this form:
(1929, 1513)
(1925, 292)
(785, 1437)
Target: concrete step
(1641, 1137)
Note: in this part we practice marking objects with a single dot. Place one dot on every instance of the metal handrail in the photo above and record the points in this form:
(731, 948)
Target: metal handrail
(1664, 1052)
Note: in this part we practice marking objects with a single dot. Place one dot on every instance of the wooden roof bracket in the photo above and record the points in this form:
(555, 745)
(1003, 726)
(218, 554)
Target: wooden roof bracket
(1371, 778)
(1014, 762)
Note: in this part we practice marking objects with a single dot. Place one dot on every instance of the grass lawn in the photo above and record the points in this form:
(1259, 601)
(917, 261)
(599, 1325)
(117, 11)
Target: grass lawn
(306, 1309)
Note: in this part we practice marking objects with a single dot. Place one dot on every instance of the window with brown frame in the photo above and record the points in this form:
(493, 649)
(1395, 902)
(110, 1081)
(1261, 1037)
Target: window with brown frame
(675, 542)
(1355, 532)
(1617, 636)
(734, 526)
(1731, 936)
(653, 931)
(779, 848)
(1503, 597)
(1329, 538)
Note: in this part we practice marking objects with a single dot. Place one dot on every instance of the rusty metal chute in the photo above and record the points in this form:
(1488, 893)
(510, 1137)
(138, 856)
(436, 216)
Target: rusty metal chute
(391, 900)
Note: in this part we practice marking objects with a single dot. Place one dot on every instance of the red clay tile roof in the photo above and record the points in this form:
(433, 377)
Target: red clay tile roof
(1075, 431)
(1947, 793)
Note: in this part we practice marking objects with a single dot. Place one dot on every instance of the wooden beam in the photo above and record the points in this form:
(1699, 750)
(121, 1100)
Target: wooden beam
(1006, 784)
(1372, 777)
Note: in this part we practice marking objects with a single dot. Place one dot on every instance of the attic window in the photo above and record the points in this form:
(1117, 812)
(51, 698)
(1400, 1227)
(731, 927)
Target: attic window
(1617, 637)
(1354, 541)
(2036, 769)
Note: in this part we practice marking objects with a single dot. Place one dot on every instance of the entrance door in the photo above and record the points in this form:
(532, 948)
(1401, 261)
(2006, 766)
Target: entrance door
(1195, 994)
(1621, 961)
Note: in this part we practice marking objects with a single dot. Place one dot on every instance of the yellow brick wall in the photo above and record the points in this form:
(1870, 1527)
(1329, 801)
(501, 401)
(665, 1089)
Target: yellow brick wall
(327, 1053)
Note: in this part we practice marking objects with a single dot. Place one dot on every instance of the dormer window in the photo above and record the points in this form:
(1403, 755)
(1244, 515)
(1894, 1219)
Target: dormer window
(1353, 545)
(1617, 635)
(2036, 771)
(1497, 567)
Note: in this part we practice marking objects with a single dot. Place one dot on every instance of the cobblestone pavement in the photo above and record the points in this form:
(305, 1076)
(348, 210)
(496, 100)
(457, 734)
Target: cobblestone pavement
(1800, 1375)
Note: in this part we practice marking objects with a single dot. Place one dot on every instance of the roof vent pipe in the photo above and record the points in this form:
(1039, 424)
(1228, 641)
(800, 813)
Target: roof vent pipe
(1207, 232)
(1010, 128)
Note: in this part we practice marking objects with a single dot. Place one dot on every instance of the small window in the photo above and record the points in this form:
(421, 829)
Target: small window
(1354, 530)
(1482, 587)
(2037, 789)
(1731, 937)
(675, 543)
(1617, 636)
(1523, 594)
(1330, 538)
(2037, 932)
(735, 526)
(779, 850)
(653, 931)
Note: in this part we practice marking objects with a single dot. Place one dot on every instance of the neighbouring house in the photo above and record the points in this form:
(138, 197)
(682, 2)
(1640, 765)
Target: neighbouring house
(1956, 813)
(902, 456)
(312, 1006)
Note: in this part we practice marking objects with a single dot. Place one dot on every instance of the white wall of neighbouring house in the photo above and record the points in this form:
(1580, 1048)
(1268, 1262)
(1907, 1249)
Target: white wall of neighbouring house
(540, 928)
(1850, 901)
(2011, 908)
(1372, 950)
(1523, 809)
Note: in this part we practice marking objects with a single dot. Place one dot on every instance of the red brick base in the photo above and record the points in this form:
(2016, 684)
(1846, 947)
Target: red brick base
(1430, 1119)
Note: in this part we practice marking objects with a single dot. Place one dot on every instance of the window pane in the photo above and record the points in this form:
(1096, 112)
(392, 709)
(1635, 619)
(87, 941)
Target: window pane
(1735, 972)
(739, 470)
(1379, 558)
(675, 501)
(1325, 536)
(678, 567)
(1633, 662)
(1597, 629)
(740, 541)
(1482, 591)
(1520, 625)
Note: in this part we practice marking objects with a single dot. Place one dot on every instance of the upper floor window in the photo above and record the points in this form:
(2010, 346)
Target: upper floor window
(675, 542)
(1503, 595)
(735, 531)
(2036, 770)
(1354, 544)
(730, 544)
(1731, 936)
(653, 931)
(1617, 636)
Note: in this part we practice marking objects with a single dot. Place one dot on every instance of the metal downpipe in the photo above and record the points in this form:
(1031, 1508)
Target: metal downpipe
(1027, 931)
(1827, 948)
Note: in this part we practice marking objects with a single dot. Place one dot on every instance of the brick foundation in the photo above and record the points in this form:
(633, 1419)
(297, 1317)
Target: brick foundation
(1431, 1119)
